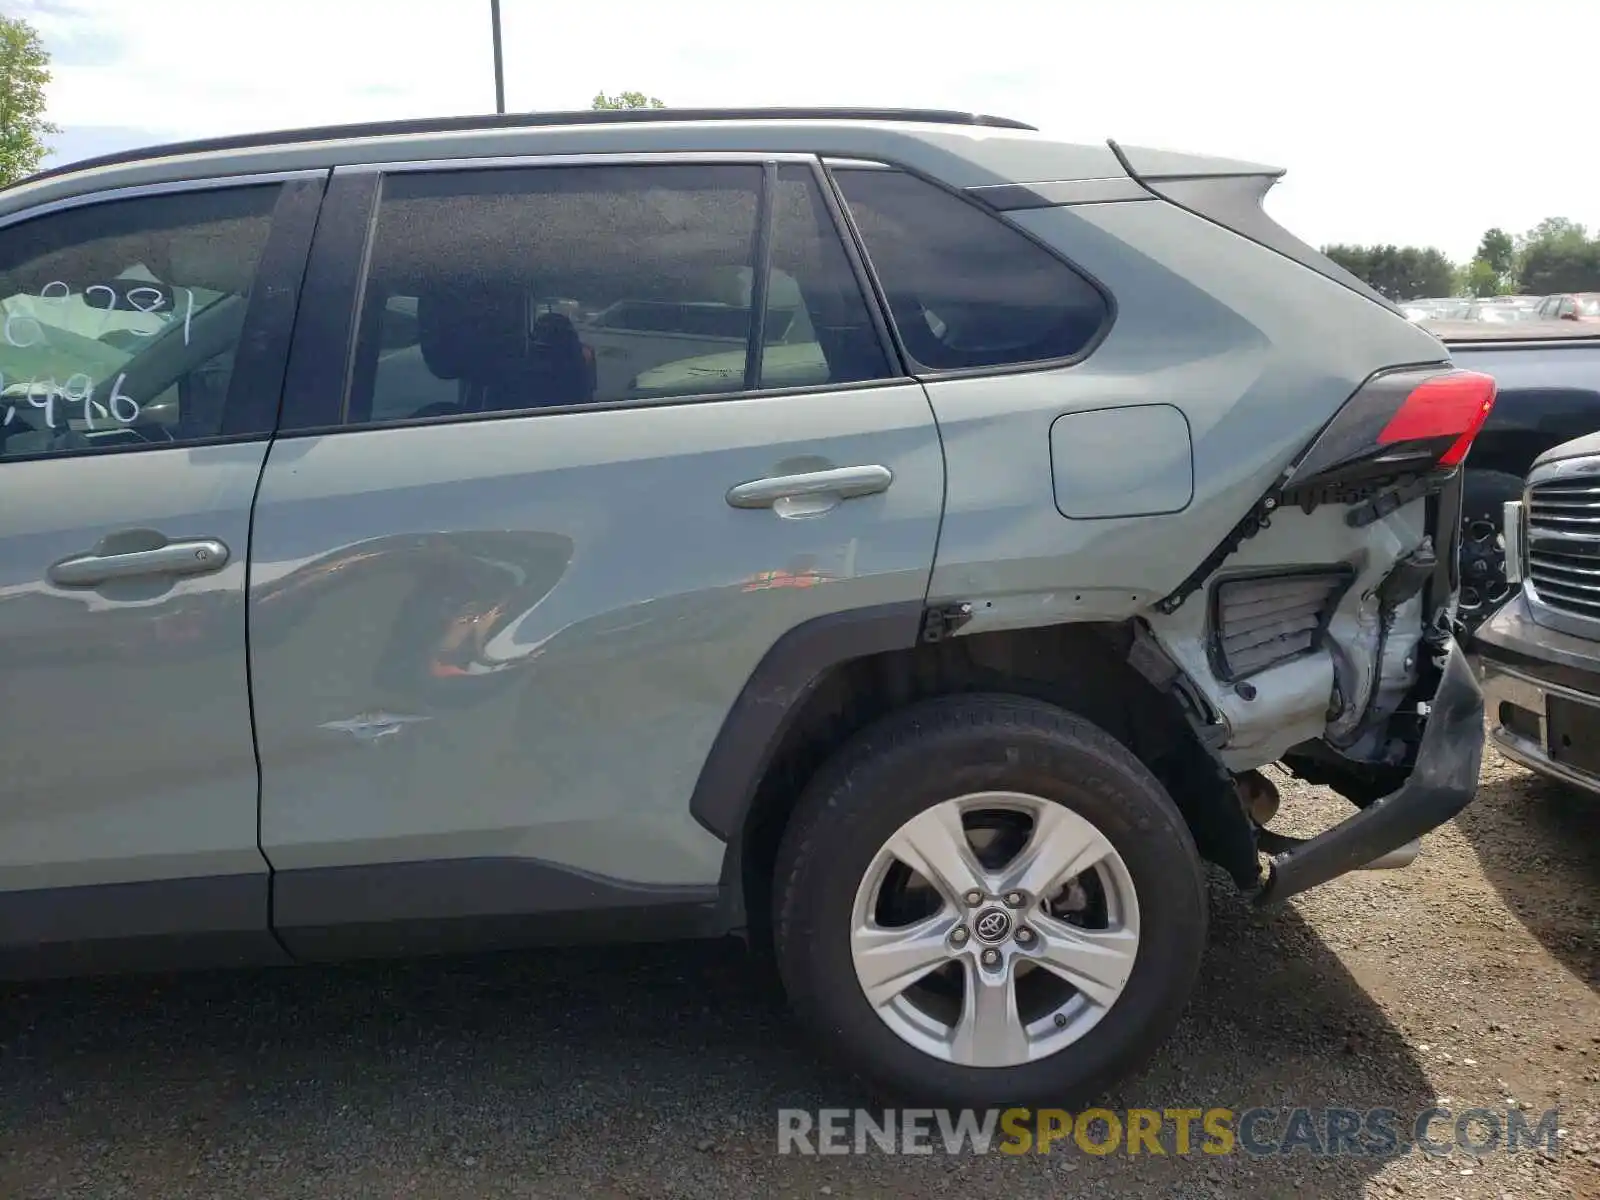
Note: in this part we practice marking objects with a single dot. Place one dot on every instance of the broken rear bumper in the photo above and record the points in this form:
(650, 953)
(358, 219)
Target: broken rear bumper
(1441, 784)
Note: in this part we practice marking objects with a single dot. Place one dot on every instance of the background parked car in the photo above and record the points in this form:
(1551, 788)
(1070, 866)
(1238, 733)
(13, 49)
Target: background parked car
(1436, 308)
(1497, 310)
(1570, 306)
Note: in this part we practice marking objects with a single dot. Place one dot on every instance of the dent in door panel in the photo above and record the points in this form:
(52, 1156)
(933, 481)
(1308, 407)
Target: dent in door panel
(520, 637)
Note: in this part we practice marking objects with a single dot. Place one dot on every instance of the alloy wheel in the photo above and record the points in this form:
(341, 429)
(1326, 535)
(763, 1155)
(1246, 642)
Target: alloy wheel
(995, 929)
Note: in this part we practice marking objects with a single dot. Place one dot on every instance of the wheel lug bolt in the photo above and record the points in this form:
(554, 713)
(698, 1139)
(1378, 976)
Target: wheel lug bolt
(958, 935)
(1015, 899)
(990, 957)
(1024, 935)
(974, 898)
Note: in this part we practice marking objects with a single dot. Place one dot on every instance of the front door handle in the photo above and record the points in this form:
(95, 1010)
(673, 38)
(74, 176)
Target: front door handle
(811, 492)
(197, 557)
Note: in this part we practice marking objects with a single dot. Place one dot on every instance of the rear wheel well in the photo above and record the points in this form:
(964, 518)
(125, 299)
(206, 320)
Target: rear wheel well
(1082, 668)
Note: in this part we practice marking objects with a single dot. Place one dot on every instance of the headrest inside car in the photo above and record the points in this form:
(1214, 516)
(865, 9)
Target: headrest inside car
(477, 332)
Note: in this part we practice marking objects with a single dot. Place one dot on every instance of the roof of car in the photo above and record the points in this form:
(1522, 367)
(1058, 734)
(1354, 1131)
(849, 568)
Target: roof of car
(530, 120)
(959, 149)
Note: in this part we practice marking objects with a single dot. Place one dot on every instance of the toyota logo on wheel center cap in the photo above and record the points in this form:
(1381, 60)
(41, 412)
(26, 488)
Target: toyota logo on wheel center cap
(993, 925)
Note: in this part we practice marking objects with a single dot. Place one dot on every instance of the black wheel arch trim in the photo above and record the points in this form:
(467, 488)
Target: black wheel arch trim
(776, 691)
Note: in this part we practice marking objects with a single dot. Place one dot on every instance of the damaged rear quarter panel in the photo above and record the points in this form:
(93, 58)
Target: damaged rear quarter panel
(1290, 703)
(1257, 353)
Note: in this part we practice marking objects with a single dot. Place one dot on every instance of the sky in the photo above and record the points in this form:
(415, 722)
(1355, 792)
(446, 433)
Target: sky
(1407, 121)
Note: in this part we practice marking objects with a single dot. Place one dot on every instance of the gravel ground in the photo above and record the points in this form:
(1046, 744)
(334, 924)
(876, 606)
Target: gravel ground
(1466, 980)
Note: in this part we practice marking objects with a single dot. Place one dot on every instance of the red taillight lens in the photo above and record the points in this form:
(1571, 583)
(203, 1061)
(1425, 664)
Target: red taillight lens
(1406, 422)
(1452, 405)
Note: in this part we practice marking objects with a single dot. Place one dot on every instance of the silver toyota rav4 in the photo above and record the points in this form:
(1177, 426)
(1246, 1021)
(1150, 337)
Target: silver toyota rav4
(895, 536)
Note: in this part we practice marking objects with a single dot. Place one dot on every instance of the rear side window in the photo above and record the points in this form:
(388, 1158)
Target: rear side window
(506, 290)
(965, 289)
(514, 289)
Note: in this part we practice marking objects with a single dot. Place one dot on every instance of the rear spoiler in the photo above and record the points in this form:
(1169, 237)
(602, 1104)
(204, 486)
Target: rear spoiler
(1230, 193)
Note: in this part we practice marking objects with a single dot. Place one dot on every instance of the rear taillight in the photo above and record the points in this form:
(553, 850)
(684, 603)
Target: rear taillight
(1453, 405)
(1406, 422)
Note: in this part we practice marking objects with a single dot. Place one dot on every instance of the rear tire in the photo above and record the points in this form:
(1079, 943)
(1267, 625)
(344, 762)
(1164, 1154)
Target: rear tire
(1033, 793)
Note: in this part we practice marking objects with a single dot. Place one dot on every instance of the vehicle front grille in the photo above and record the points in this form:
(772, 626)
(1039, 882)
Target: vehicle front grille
(1262, 621)
(1564, 544)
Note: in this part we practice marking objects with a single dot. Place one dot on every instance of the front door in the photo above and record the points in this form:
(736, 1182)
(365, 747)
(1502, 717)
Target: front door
(141, 348)
(499, 616)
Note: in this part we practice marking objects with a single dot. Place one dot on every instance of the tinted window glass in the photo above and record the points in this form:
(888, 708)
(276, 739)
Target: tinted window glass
(118, 321)
(819, 329)
(508, 290)
(965, 289)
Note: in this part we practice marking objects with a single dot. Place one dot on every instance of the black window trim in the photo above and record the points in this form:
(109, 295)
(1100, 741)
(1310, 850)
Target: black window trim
(755, 344)
(138, 191)
(274, 301)
(322, 362)
(320, 355)
(871, 293)
(921, 372)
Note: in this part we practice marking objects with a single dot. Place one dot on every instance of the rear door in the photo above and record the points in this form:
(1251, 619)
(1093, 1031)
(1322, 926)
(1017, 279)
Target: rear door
(143, 339)
(501, 607)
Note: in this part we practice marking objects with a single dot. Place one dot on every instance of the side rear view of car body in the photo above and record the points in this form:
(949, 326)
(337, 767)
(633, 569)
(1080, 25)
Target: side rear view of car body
(354, 603)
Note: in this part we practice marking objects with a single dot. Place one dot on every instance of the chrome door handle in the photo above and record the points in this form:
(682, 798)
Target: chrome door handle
(196, 557)
(840, 483)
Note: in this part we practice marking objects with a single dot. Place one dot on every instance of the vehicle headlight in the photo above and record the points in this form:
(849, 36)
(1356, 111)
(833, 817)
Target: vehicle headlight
(1513, 531)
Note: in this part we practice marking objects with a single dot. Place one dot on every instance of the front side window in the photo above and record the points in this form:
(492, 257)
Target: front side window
(965, 289)
(119, 321)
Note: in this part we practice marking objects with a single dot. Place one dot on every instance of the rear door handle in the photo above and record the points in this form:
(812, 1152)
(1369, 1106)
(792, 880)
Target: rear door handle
(811, 492)
(197, 557)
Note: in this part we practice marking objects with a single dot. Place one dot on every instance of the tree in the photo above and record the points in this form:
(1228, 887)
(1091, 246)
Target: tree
(1557, 255)
(24, 71)
(1399, 272)
(1556, 231)
(625, 100)
(1560, 267)
(1479, 278)
(1497, 250)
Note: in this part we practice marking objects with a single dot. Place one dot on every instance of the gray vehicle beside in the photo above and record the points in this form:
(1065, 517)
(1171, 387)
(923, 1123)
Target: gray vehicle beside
(1538, 656)
(349, 604)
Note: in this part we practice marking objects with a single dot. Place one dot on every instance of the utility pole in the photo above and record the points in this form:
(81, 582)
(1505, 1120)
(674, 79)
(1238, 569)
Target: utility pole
(499, 66)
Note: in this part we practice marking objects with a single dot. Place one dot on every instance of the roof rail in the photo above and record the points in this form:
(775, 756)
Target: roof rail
(531, 120)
